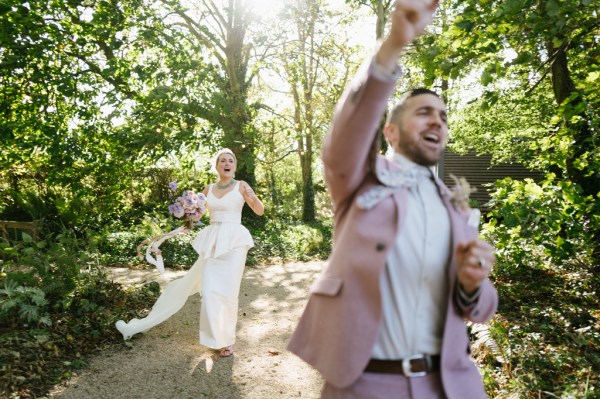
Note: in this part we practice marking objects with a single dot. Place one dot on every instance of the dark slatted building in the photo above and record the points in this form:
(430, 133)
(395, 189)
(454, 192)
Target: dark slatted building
(479, 172)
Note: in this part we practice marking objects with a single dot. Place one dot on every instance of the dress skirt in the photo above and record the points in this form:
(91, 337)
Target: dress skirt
(220, 292)
(173, 297)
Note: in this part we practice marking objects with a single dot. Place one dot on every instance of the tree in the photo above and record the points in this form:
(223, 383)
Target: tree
(381, 9)
(537, 48)
(223, 28)
(311, 64)
(91, 93)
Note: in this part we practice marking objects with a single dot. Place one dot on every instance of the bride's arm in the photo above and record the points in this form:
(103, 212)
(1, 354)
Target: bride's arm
(251, 198)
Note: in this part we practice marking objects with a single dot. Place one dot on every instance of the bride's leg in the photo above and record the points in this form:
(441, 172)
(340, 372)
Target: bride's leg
(173, 297)
(220, 291)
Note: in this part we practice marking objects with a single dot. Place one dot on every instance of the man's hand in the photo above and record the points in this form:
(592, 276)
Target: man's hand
(474, 261)
(409, 19)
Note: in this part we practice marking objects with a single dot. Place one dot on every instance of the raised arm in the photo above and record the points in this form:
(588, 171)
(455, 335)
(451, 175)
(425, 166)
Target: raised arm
(409, 19)
(358, 113)
(251, 199)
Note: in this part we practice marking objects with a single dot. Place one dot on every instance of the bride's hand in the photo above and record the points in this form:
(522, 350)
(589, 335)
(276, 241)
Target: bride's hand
(248, 192)
(252, 200)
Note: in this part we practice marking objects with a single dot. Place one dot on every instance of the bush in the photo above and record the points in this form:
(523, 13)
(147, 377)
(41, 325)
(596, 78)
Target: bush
(57, 306)
(22, 305)
(52, 265)
(535, 223)
(288, 239)
(546, 326)
(544, 336)
(119, 247)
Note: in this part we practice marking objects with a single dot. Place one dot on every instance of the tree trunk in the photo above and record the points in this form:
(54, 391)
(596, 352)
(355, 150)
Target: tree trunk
(583, 143)
(302, 80)
(233, 55)
(308, 192)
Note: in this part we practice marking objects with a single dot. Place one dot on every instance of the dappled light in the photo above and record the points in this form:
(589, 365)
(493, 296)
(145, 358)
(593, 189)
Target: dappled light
(105, 104)
(271, 299)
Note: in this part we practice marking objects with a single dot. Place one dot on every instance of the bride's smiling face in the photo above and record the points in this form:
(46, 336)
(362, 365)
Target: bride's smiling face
(226, 165)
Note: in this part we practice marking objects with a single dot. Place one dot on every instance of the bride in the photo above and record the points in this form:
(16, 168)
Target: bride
(217, 274)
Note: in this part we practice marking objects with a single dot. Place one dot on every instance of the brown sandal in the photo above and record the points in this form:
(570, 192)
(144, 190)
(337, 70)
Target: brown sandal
(226, 351)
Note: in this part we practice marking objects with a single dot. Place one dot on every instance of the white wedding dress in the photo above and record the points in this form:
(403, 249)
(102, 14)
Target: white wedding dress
(217, 274)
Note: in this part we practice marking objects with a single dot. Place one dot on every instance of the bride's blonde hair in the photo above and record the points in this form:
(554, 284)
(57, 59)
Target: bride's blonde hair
(218, 155)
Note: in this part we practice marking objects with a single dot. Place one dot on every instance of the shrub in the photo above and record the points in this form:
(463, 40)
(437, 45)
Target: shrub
(23, 305)
(534, 223)
(290, 240)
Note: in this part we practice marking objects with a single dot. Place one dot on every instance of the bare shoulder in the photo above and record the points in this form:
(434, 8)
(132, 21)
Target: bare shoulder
(205, 191)
(243, 186)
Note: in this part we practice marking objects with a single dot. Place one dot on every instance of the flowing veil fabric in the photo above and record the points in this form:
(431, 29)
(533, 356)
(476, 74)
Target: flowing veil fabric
(153, 246)
(170, 301)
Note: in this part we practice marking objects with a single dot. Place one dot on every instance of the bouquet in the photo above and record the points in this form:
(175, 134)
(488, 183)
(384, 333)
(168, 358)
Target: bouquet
(460, 198)
(190, 206)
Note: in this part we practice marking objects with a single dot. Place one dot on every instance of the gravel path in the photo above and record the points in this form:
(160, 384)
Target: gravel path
(168, 362)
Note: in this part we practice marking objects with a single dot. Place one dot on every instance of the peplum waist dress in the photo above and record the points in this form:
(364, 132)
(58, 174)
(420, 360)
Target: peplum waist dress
(225, 231)
(222, 248)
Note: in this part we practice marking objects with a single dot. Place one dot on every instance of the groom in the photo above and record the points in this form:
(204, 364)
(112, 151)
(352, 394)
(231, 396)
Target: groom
(386, 318)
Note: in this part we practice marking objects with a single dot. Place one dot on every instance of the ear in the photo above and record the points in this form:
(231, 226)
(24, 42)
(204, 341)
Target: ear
(391, 133)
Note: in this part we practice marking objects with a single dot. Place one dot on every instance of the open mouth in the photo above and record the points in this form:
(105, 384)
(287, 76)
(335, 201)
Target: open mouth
(432, 138)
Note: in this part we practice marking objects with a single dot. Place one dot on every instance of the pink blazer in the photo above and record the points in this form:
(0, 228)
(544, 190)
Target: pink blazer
(341, 321)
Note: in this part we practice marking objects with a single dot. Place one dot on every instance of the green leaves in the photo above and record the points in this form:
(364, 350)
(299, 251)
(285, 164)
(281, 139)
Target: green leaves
(525, 57)
(552, 8)
(69, 71)
(27, 304)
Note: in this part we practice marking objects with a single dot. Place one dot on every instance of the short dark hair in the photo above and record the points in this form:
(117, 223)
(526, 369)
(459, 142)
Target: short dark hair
(393, 115)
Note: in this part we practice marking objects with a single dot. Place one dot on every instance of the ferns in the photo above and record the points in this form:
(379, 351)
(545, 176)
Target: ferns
(24, 304)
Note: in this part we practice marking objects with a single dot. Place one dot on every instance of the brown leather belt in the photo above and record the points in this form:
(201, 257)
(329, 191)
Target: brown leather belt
(411, 366)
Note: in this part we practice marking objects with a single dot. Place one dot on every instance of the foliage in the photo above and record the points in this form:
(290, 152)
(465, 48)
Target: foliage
(275, 239)
(36, 359)
(547, 334)
(53, 314)
(282, 240)
(23, 305)
(553, 217)
(92, 93)
(52, 265)
(381, 9)
(537, 102)
(119, 248)
(311, 63)
(220, 30)
(508, 130)
(546, 329)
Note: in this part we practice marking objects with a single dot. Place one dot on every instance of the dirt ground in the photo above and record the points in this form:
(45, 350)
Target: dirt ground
(168, 362)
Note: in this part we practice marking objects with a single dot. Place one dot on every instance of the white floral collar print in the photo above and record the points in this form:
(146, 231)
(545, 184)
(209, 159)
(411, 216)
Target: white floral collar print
(406, 175)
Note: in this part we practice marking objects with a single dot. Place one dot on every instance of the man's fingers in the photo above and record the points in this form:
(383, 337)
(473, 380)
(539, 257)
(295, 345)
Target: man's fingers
(476, 254)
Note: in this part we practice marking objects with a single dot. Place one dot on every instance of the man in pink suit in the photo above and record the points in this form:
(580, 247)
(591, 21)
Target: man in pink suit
(386, 318)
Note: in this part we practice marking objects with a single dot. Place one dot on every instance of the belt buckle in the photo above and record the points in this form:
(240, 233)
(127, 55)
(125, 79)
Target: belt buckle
(406, 366)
